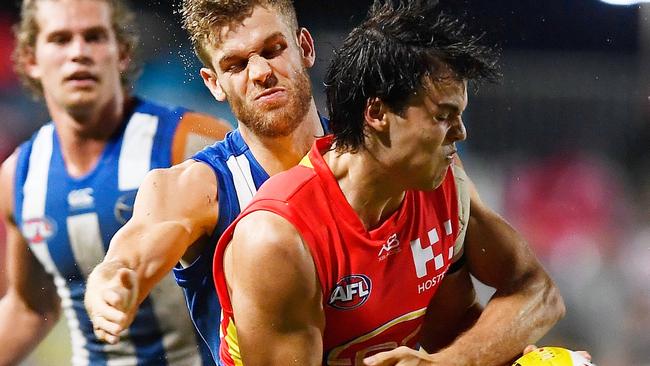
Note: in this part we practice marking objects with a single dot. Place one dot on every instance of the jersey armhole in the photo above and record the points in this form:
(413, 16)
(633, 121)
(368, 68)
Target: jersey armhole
(462, 192)
(194, 132)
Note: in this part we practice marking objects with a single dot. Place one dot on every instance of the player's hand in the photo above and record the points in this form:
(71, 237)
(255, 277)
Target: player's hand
(111, 302)
(401, 356)
(532, 347)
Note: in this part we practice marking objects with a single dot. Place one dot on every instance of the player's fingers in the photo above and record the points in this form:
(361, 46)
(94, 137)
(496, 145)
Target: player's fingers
(106, 331)
(117, 297)
(111, 314)
(102, 336)
(387, 358)
(584, 354)
(530, 348)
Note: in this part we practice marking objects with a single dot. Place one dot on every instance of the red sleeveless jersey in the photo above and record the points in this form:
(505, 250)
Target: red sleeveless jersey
(376, 284)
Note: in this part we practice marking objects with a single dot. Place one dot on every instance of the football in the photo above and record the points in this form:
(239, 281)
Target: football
(552, 356)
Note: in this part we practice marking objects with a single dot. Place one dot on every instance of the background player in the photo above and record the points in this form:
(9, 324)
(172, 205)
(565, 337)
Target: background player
(359, 237)
(67, 190)
(256, 57)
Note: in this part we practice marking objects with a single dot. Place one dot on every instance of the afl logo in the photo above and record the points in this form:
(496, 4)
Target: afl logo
(350, 292)
(38, 230)
(124, 207)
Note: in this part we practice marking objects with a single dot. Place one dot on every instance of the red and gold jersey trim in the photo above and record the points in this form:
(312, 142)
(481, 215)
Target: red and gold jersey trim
(333, 356)
(233, 343)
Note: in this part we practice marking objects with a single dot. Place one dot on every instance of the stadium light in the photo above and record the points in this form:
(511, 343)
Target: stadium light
(625, 2)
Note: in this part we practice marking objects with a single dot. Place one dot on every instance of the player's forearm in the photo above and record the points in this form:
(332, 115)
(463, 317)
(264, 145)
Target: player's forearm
(151, 252)
(22, 328)
(511, 320)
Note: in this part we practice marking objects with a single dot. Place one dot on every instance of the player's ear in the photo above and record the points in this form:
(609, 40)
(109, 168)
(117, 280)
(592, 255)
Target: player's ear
(375, 114)
(125, 57)
(306, 45)
(211, 81)
(28, 59)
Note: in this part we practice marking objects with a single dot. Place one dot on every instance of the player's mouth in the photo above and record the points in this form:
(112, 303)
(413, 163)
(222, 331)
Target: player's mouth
(271, 95)
(450, 156)
(81, 79)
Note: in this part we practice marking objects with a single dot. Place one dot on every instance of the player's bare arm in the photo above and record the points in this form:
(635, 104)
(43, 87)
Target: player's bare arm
(275, 293)
(524, 307)
(157, 237)
(31, 300)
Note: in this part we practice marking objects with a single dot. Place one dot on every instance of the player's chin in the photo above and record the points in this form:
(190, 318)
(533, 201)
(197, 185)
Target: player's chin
(439, 178)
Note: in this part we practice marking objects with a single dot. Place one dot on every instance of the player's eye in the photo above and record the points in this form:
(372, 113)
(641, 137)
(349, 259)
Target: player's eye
(273, 50)
(236, 67)
(58, 38)
(442, 117)
(98, 36)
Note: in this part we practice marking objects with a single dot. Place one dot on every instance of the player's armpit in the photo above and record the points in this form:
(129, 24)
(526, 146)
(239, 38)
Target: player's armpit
(31, 306)
(274, 292)
(173, 209)
(194, 132)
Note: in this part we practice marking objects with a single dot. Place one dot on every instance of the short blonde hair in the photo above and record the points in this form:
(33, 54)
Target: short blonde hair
(201, 17)
(26, 31)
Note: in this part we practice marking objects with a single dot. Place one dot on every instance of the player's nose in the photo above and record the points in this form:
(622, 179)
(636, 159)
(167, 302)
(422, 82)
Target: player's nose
(79, 49)
(457, 132)
(260, 71)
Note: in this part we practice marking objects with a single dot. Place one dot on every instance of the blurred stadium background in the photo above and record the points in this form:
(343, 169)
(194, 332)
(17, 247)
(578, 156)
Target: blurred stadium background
(561, 147)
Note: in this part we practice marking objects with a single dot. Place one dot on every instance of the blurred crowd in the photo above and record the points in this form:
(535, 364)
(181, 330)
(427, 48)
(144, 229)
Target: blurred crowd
(561, 148)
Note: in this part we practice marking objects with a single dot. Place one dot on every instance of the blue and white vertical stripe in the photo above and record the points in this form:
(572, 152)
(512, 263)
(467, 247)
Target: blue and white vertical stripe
(68, 223)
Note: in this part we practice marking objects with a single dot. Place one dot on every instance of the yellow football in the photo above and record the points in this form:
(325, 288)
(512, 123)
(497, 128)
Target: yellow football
(552, 356)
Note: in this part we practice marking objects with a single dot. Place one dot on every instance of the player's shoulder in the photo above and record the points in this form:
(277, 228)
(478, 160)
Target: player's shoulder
(182, 179)
(7, 177)
(272, 238)
(297, 181)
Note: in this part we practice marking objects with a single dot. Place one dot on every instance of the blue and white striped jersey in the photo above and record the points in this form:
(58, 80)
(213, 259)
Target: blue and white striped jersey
(239, 176)
(68, 223)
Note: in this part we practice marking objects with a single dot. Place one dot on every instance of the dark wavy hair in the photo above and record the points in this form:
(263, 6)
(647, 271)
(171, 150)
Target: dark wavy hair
(398, 48)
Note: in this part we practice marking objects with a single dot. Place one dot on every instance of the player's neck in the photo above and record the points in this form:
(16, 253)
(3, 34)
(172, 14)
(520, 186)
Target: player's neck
(371, 190)
(83, 134)
(277, 154)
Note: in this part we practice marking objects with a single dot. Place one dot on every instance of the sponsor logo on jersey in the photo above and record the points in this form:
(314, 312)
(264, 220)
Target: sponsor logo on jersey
(124, 207)
(81, 198)
(350, 292)
(38, 230)
(432, 251)
(389, 248)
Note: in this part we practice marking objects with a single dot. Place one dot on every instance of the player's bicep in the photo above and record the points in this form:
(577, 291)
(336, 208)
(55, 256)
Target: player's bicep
(173, 208)
(274, 292)
(184, 194)
(194, 132)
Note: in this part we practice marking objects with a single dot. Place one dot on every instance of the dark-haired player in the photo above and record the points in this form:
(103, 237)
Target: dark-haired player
(339, 259)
